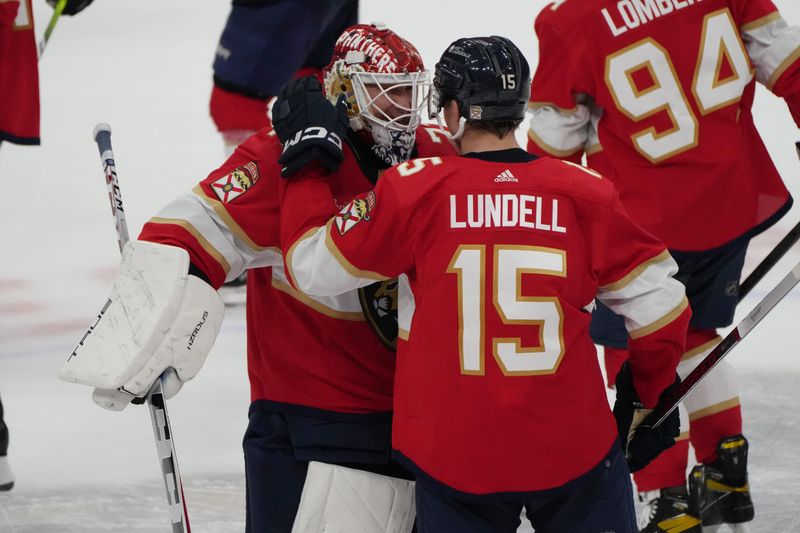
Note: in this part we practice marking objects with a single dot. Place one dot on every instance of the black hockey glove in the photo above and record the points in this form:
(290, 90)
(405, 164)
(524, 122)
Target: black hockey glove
(72, 6)
(640, 441)
(309, 126)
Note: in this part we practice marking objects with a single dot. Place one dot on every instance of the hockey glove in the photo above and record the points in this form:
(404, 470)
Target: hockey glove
(309, 126)
(640, 441)
(159, 321)
(72, 6)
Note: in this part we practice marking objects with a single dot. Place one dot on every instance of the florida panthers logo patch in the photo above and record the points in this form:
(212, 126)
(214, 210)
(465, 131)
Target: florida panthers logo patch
(233, 185)
(354, 212)
(379, 303)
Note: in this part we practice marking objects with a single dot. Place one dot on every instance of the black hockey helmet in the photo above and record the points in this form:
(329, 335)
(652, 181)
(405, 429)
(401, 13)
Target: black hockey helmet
(488, 77)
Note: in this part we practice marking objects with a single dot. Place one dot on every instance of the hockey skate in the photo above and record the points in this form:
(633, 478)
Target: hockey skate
(6, 477)
(719, 490)
(668, 511)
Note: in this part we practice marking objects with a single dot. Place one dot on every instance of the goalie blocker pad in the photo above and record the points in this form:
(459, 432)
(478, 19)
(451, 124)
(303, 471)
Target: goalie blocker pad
(337, 499)
(157, 317)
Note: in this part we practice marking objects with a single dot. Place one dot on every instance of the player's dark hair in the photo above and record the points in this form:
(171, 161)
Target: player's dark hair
(501, 128)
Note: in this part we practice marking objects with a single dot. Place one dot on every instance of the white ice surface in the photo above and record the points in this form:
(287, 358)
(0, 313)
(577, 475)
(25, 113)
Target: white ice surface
(144, 66)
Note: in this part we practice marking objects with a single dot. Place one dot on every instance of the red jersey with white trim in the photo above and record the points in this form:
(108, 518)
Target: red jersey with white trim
(498, 386)
(658, 93)
(302, 350)
(19, 74)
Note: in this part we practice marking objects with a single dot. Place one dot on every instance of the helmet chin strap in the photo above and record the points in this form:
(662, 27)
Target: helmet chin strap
(454, 138)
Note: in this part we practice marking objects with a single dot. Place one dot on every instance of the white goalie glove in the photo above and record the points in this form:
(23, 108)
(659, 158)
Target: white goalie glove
(158, 320)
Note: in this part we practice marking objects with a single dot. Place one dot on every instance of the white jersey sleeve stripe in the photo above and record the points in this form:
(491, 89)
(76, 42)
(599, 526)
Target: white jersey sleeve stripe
(207, 246)
(536, 105)
(658, 324)
(312, 302)
(198, 214)
(714, 409)
(559, 132)
(317, 267)
(772, 46)
(355, 272)
(649, 297)
(763, 21)
(782, 68)
(226, 218)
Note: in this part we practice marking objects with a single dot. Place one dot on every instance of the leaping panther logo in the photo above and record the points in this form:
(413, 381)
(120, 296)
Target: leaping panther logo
(379, 304)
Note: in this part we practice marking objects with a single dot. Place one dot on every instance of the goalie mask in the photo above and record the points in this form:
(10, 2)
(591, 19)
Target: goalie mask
(383, 80)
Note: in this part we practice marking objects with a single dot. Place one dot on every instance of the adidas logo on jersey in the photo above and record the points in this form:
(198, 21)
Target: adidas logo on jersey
(505, 175)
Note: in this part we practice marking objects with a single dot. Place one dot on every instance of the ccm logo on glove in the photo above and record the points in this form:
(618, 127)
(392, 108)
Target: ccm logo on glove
(197, 330)
(314, 132)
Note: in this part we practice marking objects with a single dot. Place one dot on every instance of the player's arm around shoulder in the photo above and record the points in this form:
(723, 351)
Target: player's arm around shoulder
(367, 240)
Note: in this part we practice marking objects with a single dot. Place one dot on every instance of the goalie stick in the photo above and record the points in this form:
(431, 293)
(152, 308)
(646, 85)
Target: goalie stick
(772, 258)
(156, 405)
(671, 401)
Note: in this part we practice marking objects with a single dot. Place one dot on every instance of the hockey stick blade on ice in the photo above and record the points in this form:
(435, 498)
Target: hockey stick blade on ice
(773, 257)
(168, 459)
(671, 401)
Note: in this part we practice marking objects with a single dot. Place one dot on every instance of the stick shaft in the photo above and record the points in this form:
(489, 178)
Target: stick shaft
(744, 327)
(103, 139)
(57, 10)
(773, 257)
(156, 404)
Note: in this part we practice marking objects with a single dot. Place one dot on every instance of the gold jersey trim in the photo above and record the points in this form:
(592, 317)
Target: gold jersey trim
(633, 274)
(347, 265)
(227, 219)
(658, 324)
(699, 350)
(785, 64)
(763, 21)
(714, 409)
(315, 305)
(204, 243)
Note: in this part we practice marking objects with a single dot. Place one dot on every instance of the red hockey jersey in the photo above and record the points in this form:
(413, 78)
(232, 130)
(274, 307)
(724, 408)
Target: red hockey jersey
(498, 387)
(19, 74)
(658, 93)
(302, 350)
